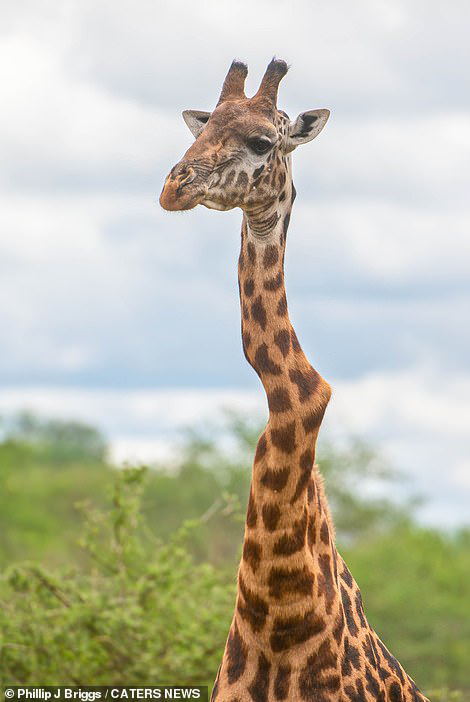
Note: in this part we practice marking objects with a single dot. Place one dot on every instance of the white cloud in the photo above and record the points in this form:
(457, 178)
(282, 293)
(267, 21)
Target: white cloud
(414, 158)
(378, 50)
(461, 475)
(136, 414)
(419, 401)
(380, 240)
(55, 127)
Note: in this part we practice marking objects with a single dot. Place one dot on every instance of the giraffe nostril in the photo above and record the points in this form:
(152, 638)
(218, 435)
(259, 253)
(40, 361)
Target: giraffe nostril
(185, 176)
(178, 172)
(181, 171)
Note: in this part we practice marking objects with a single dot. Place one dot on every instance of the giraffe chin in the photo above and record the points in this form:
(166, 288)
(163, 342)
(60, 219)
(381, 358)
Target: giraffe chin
(211, 205)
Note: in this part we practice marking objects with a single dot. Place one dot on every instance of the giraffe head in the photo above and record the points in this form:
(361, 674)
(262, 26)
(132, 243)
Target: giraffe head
(240, 157)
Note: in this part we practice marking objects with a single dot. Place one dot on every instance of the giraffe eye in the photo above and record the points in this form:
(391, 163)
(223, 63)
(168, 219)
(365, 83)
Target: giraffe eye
(260, 145)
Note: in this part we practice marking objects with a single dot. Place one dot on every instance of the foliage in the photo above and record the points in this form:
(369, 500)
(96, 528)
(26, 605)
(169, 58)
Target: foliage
(128, 618)
(55, 441)
(38, 519)
(415, 583)
(446, 695)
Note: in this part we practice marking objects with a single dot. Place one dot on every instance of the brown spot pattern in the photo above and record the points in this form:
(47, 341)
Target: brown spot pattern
(351, 658)
(325, 581)
(292, 542)
(313, 683)
(295, 342)
(259, 312)
(275, 480)
(264, 363)
(249, 287)
(306, 459)
(393, 664)
(261, 448)
(325, 533)
(252, 608)
(230, 177)
(273, 284)
(282, 306)
(313, 419)
(236, 656)
(260, 685)
(357, 693)
(284, 438)
(252, 554)
(251, 513)
(350, 621)
(271, 256)
(282, 682)
(360, 609)
(282, 341)
(394, 692)
(339, 628)
(311, 490)
(369, 652)
(289, 631)
(311, 530)
(271, 515)
(307, 383)
(279, 400)
(283, 581)
(346, 576)
(300, 486)
(215, 689)
(373, 686)
(306, 463)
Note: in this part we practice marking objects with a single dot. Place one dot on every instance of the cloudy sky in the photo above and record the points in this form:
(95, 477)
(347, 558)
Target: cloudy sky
(115, 311)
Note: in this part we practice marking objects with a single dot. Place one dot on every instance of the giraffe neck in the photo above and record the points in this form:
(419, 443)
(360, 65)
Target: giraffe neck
(289, 556)
(299, 631)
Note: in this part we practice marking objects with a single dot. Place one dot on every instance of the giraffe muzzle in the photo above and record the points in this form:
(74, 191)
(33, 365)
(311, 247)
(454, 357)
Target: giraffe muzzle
(183, 189)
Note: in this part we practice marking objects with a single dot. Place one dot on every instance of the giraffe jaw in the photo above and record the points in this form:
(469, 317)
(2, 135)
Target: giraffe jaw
(211, 205)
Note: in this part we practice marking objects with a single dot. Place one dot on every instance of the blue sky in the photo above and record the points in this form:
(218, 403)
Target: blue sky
(105, 298)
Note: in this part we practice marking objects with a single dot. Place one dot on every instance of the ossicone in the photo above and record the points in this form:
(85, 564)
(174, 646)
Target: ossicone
(269, 85)
(234, 83)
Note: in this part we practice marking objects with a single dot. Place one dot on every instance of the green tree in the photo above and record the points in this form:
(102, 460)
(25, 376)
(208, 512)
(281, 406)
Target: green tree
(134, 615)
(56, 441)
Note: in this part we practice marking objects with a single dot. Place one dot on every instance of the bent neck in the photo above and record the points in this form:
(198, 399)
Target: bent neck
(288, 530)
(297, 395)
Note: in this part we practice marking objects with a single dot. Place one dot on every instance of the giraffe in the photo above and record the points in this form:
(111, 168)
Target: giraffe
(299, 631)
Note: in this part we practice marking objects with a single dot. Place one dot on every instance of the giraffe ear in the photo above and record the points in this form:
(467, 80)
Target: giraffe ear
(306, 127)
(196, 120)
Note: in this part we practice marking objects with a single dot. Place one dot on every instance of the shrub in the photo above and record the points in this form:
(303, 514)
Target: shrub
(142, 612)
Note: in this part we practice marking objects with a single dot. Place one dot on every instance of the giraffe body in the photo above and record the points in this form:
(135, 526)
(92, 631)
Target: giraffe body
(299, 632)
